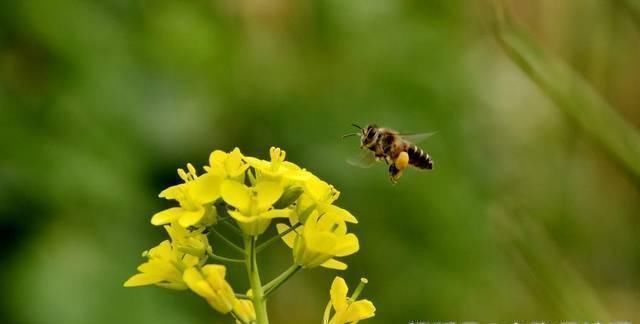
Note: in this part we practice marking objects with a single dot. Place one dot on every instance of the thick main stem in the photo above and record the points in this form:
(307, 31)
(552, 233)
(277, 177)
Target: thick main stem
(259, 301)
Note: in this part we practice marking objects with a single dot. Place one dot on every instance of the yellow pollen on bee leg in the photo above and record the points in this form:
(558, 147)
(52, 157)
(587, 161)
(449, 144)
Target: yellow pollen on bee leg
(402, 161)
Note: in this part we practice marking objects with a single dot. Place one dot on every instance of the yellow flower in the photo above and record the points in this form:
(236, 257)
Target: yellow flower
(164, 268)
(318, 195)
(227, 165)
(278, 169)
(347, 310)
(190, 242)
(321, 238)
(243, 308)
(210, 284)
(194, 196)
(253, 205)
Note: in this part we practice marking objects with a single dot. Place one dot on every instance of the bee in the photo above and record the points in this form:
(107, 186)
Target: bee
(396, 149)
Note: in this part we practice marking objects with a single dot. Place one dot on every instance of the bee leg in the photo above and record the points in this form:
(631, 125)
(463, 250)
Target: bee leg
(394, 173)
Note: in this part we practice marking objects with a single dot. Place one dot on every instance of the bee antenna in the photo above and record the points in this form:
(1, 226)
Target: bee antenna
(350, 134)
(356, 126)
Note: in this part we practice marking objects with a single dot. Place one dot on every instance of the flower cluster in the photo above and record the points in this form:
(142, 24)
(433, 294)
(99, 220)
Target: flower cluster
(247, 195)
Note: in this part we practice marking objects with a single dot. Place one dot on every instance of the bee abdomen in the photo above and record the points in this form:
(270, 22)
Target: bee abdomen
(418, 158)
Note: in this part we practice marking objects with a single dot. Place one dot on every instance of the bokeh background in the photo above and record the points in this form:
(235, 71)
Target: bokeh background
(525, 217)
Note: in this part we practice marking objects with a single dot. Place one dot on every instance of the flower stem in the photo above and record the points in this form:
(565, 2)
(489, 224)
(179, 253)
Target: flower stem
(259, 300)
(224, 259)
(276, 238)
(279, 280)
(227, 241)
(227, 222)
(242, 296)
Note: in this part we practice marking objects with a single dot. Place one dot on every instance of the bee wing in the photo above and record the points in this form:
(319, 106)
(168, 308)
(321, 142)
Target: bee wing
(364, 159)
(416, 138)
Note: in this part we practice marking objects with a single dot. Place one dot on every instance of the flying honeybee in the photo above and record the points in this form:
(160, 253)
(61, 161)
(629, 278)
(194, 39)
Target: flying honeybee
(396, 149)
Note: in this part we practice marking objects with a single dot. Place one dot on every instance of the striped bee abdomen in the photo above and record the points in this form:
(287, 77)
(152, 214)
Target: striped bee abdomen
(418, 158)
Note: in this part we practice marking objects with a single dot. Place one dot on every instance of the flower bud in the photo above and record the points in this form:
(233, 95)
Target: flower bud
(290, 195)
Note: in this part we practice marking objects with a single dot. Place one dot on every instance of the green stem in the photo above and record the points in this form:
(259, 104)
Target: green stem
(276, 238)
(227, 222)
(259, 300)
(224, 259)
(242, 296)
(279, 280)
(226, 240)
(358, 290)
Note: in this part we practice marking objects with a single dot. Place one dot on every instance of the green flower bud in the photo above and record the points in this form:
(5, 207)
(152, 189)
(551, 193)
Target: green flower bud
(290, 195)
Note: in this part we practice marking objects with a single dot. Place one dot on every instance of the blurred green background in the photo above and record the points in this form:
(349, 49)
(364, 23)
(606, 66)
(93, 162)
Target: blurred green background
(525, 217)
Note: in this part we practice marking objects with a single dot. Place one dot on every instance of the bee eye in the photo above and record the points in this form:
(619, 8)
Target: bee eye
(370, 134)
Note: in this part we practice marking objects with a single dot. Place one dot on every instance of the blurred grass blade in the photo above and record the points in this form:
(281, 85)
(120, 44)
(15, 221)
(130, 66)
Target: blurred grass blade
(573, 95)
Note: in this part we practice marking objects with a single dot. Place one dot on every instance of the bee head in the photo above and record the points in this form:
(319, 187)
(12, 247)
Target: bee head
(368, 135)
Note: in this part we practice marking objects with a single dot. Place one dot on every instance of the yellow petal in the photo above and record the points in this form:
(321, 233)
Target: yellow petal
(217, 158)
(359, 310)
(334, 264)
(172, 192)
(162, 250)
(241, 218)
(268, 193)
(174, 234)
(172, 285)
(257, 163)
(251, 225)
(224, 299)
(190, 218)
(202, 288)
(244, 309)
(347, 245)
(196, 282)
(190, 260)
(234, 160)
(317, 188)
(160, 269)
(235, 194)
(167, 216)
(275, 213)
(343, 213)
(289, 238)
(141, 279)
(294, 167)
(215, 270)
(156, 266)
(206, 188)
(331, 222)
(338, 292)
(322, 242)
(311, 224)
